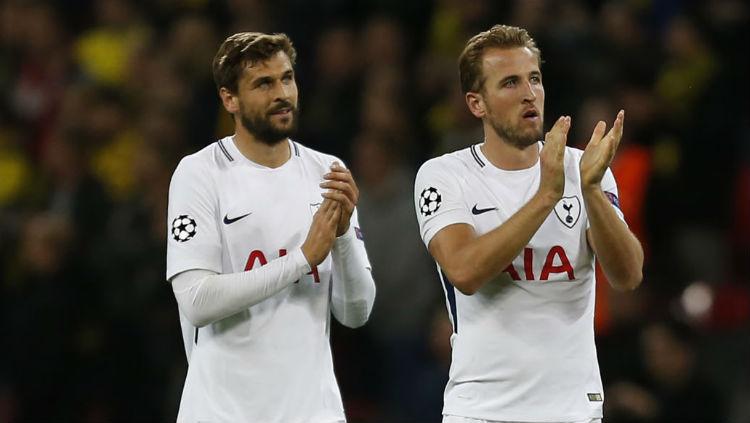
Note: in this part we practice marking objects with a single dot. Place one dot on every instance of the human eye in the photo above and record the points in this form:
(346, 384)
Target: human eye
(263, 83)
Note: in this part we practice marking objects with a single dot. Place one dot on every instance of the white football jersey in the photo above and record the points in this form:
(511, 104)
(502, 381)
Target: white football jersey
(523, 345)
(271, 362)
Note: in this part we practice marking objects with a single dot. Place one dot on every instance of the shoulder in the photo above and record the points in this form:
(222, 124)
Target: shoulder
(200, 166)
(314, 157)
(453, 163)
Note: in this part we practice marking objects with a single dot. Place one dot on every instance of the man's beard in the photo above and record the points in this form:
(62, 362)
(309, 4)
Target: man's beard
(261, 127)
(515, 137)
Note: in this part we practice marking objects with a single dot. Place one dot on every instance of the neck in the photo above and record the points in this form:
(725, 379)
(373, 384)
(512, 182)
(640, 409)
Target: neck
(260, 152)
(505, 155)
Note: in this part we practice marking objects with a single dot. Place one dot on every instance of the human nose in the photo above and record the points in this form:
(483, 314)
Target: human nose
(283, 91)
(528, 92)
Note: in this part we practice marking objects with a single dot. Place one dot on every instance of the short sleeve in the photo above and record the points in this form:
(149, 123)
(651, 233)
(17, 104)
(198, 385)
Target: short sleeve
(193, 240)
(438, 200)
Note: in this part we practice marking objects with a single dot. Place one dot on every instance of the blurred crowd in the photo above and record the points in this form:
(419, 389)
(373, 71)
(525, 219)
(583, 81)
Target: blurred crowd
(99, 100)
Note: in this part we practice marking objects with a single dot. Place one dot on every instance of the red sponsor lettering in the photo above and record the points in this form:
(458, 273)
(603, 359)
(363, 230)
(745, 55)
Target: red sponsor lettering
(555, 254)
(255, 255)
(550, 267)
(512, 272)
(528, 263)
(258, 256)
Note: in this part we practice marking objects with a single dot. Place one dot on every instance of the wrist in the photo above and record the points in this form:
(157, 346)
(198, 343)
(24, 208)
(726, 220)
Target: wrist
(546, 200)
(300, 259)
(344, 239)
(344, 232)
(589, 190)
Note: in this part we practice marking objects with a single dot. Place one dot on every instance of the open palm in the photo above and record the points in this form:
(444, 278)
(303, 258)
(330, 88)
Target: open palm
(600, 150)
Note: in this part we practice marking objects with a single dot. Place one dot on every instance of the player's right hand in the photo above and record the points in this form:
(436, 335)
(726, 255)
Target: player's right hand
(322, 232)
(552, 183)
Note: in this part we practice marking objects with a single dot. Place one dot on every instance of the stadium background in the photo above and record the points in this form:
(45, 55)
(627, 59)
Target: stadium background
(99, 99)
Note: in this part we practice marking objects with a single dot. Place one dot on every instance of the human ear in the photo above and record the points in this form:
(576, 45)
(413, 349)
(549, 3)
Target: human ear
(476, 105)
(230, 101)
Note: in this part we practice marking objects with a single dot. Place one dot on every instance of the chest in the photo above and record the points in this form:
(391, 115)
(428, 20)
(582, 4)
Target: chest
(558, 246)
(264, 214)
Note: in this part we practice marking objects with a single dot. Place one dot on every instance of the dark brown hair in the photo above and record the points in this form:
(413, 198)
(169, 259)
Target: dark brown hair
(239, 49)
(500, 36)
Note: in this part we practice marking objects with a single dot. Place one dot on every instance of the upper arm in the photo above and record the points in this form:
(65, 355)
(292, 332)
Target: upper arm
(448, 241)
(193, 239)
(438, 200)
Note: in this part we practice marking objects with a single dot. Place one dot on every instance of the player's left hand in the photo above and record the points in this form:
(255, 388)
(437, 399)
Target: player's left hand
(600, 151)
(341, 188)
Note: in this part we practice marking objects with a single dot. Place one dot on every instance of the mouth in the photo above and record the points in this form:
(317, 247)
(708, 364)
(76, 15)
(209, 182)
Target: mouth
(531, 115)
(286, 111)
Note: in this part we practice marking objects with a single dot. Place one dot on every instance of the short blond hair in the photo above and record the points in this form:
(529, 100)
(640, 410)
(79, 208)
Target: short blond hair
(499, 36)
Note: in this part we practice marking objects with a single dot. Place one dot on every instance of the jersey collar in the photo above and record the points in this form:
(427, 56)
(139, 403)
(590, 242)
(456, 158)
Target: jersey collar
(233, 155)
(486, 166)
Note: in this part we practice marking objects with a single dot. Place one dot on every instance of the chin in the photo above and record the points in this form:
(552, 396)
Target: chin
(536, 135)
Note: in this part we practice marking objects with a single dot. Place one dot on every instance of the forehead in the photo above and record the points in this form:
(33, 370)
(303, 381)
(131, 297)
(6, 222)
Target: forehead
(499, 63)
(277, 64)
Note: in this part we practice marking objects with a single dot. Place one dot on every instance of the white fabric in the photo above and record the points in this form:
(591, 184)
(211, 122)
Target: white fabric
(353, 287)
(523, 345)
(457, 419)
(271, 361)
(205, 296)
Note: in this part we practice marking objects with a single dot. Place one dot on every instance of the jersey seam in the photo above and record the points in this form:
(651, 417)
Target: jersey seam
(225, 151)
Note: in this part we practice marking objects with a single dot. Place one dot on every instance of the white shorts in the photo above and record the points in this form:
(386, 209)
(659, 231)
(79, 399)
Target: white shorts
(457, 419)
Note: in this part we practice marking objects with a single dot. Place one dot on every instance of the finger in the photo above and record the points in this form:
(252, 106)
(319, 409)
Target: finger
(338, 185)
(558, 135)
(618, 128)
(332, 218)
(556, 128)
(326, 205)
(344, 177)
(326, 209)
(557, 138)
(598, 133)
(564, 134)
(339, 176)
(340, 198)
(347, 189)
(336, 166)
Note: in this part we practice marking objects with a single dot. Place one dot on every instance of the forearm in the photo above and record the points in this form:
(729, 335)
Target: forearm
(205, 297)
(485, 257)
(353, 287)
(618, 251)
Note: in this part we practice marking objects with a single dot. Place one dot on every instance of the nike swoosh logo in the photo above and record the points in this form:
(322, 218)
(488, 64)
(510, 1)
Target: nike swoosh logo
(227, 220)
(475, 210)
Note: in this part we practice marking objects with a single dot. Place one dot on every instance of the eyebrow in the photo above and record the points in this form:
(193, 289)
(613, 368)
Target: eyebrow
(515, 77)
(508, 78)
(261, 79)
(267, 78)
